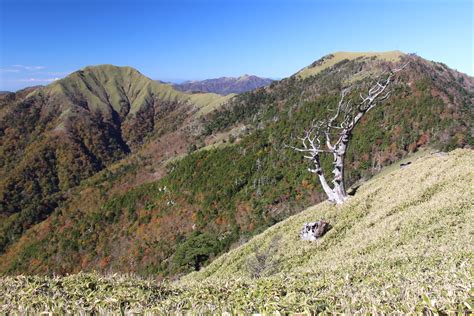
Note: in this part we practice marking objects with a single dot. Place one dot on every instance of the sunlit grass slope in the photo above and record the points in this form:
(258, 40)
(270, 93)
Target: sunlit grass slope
(420, 210)
(332, 59)
(106, 86)
(404, 243)
(206, 102)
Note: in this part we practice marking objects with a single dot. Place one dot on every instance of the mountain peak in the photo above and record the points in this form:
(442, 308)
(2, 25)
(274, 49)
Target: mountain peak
(336, 57)
(109, 88)
(110, 70)
(225, 85)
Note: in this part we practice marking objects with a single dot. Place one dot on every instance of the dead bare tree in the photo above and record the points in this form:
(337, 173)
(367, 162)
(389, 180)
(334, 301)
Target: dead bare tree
(332, 134)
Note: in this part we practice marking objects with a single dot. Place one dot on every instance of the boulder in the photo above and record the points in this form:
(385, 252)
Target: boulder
(312, 231)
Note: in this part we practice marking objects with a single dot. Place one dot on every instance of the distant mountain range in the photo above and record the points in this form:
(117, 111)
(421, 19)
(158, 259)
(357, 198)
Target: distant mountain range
(225, 85)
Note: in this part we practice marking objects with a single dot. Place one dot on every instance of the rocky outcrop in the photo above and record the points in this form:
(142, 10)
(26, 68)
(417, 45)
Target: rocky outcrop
(315, 230)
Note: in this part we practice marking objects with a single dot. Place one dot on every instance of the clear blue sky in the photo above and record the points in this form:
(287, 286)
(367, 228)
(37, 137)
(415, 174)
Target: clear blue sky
(41, 40)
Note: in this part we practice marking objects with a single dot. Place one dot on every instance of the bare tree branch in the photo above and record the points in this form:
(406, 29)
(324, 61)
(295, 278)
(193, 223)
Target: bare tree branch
(319, 137)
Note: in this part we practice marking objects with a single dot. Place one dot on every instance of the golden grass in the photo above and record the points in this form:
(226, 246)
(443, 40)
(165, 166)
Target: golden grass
(207, 102)
(107, 85)
(423, 209)
(340, 56)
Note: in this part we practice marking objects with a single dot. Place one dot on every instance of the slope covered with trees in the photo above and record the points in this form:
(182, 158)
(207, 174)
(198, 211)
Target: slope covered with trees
(56, 136)
(234, 176)
(389, 251)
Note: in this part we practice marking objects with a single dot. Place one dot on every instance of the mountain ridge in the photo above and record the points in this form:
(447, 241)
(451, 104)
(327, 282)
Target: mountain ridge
(224, 85)
(75, 127)
(333, 58)
(225, 168)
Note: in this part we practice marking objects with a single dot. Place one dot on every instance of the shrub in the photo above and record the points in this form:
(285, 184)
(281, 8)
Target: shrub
(196, 250)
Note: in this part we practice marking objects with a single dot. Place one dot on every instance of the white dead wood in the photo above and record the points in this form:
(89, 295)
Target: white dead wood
(332, 134)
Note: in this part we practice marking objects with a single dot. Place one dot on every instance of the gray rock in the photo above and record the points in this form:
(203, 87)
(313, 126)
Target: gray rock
(313, 231)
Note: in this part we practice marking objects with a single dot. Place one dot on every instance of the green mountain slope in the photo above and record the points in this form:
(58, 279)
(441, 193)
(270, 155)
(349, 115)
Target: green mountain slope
(403, 244)
(421, 213)
(54, 137)
(219, 178)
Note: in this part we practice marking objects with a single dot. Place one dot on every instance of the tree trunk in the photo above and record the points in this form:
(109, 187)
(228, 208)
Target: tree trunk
(338, 171)
(340, 195)
(332, 197)
(322, 179)
(337, 194)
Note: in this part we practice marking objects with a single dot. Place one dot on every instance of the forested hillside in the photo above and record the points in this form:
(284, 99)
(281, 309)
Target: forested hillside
(54, 137)
(403, 244)
(167, 192)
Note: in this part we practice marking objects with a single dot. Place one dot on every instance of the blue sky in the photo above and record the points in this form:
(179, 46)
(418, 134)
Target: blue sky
(42, 40)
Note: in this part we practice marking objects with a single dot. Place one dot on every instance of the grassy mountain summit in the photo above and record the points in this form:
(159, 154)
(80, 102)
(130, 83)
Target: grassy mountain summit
(121, 89)
(107, 179)
(330, 60)
(54, 137)
(403, 244)
(124, 89)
